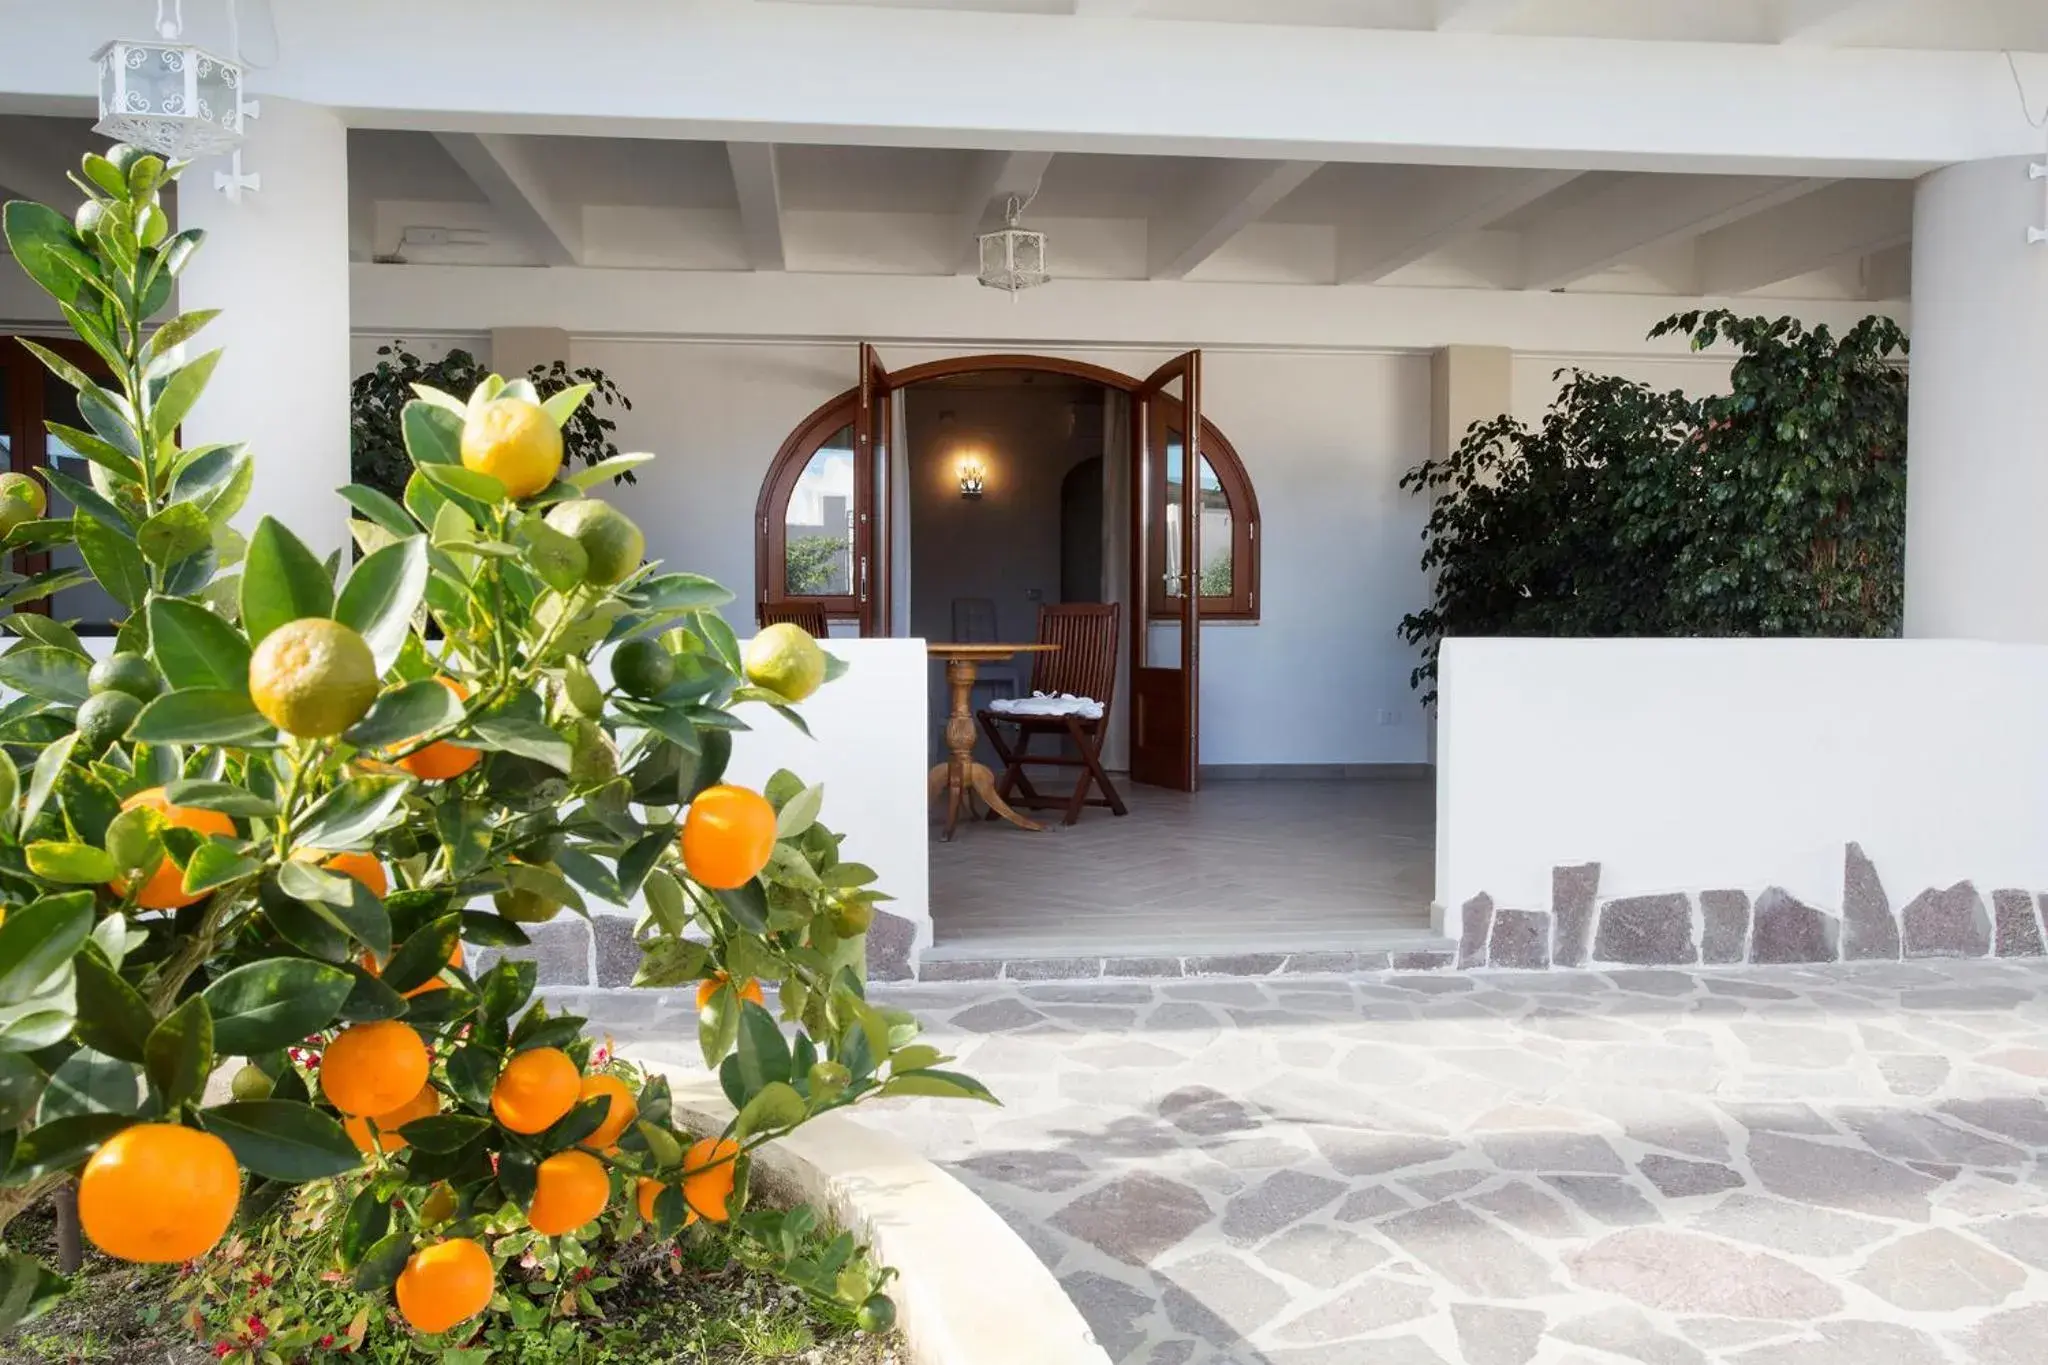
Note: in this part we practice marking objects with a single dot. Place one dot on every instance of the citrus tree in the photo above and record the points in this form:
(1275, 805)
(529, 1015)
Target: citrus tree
(260, 833)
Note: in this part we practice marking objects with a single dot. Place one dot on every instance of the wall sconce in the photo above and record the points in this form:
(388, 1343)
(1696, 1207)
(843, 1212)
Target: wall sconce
(971, 476)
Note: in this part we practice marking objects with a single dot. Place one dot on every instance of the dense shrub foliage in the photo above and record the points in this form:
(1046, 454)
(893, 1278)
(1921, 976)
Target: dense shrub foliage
(1775, 509)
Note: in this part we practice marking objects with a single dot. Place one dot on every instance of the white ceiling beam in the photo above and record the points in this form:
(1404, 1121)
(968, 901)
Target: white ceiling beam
(1456, 202)
(758, 183)
(1640, 212)
(1844, 222)
(503, 169)
(1226, 201)
(1476, 16)
(778, 73)
(1817, 23)
(991, 180)
(1106, 9)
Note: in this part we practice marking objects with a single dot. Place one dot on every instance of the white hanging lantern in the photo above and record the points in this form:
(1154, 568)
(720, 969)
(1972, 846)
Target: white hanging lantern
(1013, 258)
(175, 99)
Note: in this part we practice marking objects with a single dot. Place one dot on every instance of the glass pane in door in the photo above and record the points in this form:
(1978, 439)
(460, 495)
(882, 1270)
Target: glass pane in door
(818, 528)
(89, 605)
(1216, 535)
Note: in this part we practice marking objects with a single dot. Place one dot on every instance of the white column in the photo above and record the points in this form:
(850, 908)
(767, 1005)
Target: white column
(1977, 466)
(277, 264)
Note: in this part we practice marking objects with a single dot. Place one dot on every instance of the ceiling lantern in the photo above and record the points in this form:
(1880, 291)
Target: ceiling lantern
(172, 98)
(1013, 258)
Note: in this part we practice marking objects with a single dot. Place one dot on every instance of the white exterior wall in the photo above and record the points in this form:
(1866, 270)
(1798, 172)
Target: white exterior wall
(1688, 765)
(1324, 392)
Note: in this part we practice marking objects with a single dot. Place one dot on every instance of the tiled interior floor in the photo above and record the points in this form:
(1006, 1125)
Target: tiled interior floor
(1267, 866)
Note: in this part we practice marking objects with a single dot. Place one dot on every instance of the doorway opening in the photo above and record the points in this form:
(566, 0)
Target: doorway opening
(956, 500)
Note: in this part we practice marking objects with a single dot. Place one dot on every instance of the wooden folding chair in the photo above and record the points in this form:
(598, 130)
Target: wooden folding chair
(1084, 665)
(809, 615)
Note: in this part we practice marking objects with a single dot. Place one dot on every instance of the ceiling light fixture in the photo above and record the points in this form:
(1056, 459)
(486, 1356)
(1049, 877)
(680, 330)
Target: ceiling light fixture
(1013, 257)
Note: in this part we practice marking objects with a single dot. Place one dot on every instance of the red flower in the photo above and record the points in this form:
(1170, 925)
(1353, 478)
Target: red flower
(327, 1341)
(264, 1280)
(221, 1350)
(256, 1328)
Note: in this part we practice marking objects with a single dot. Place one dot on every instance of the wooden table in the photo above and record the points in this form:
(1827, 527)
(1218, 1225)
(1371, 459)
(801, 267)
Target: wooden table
(960, 776)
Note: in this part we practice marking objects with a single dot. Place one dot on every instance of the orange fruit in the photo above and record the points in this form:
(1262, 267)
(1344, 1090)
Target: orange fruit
(536, 1087)
(365, 868)
(158, 1193)
(441, 760)
(374, 967)
(569, 1190)
(625, 1107)
(728, 836)
(515, 442)
(374, 1068)
(313, 677)
(707, 1187)
(445, 1284)
(428, 1101)
(750, 989)
(165, 889)
(650, 1190)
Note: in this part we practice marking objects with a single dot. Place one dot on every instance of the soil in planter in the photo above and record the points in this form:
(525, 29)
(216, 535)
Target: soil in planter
(693, 1308)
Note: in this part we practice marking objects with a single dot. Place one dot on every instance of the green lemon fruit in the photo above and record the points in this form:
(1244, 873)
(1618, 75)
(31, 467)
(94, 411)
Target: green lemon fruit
(878, 1314)
(525, 907)
(250, 1083)
(104, 719)
(125, 672)
(313, 677)
(851, 915)
(86, 222)
(643, 668)
(21, 499)
(612, 543)
(786, 660)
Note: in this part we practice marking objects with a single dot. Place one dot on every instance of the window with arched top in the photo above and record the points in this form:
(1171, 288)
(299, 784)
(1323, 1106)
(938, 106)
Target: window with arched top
(817, 503)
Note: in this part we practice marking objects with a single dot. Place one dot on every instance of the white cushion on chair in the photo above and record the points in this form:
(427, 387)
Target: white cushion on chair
(1046, 704)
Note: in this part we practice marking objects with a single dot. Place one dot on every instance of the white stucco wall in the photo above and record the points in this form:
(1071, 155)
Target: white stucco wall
(1687, 765)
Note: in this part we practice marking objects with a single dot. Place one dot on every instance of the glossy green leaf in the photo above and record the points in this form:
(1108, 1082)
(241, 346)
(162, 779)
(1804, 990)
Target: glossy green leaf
(200, 715)
(366, 1223)
(445, 1132)
(63, 1144)
(178, 532)
(433, 434)
(91, 1082)
(115, 561)
(505, 988)
(42, 780)
(179, 1053)
(421, 957)
(38, 940)
(42, 243)
(453, 478)
(195, 647)
(21, 1087)
(763, 1054)
(282, 1139)
(70, 864)
(404, 713)
(274, 1003)
(381, 595)
(179, 393)
(350, 813)
(282, 581)
(527, 737)
(591, 477)
(774, 1107)
(112, 1016)
(215, 863)
(948, 1085)
(45, 672)
(224, 797)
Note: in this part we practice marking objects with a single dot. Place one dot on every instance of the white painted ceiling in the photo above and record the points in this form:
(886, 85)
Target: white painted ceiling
(612, 202)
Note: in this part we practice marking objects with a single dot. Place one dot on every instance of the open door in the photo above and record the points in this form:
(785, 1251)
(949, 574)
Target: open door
(873, 458)
(1166, 529)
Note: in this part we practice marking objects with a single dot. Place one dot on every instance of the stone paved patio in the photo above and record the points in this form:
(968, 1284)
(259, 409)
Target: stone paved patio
(1793, 1166)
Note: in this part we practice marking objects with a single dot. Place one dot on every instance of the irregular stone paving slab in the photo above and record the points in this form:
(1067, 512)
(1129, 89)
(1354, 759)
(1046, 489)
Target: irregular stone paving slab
(1938, 1271)
(1681, 1273)
(1828, 1164)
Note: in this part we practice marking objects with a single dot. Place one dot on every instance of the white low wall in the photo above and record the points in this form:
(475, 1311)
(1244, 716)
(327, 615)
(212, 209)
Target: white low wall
(1684, 765)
